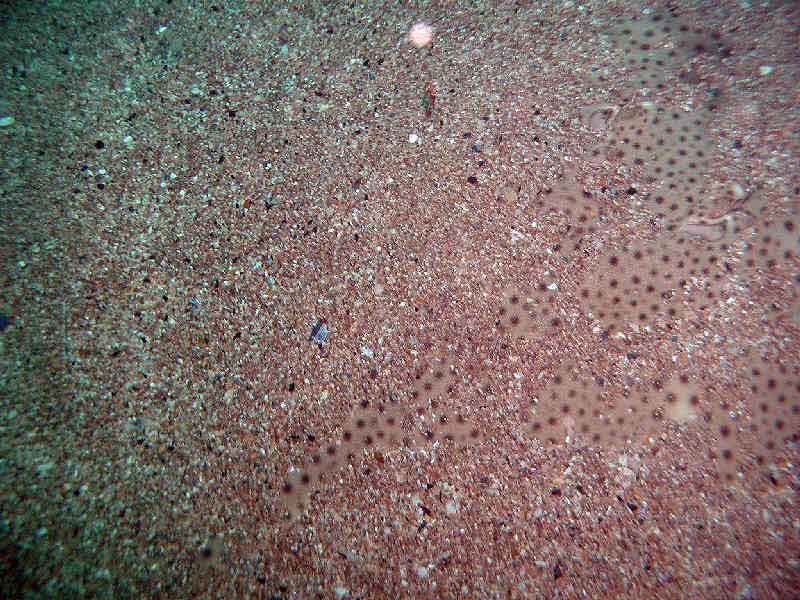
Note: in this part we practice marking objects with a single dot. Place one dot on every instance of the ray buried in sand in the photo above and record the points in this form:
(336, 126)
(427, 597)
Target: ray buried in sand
(702, 246)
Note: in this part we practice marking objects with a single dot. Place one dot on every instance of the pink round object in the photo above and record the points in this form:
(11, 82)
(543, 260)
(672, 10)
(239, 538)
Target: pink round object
(420, 34)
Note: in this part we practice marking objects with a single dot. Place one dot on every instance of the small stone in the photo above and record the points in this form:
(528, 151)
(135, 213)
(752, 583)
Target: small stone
(6, 121)
(510, 195)
(319, 333)
(420, 34)
(516, 236)
(765, 70)
(44, 469)
(413, 138)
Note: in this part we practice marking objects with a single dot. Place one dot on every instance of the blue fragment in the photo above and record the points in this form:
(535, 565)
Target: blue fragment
(5, 321)
(319, 333)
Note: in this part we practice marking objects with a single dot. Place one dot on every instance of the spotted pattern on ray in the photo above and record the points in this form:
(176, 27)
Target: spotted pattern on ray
(672, 149)
(427, 419)
(683, 269)
(576, 404)
(580, 206)
(656, 46)
(637, 284)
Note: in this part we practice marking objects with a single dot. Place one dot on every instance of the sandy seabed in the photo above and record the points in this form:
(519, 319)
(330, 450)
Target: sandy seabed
(296, 305)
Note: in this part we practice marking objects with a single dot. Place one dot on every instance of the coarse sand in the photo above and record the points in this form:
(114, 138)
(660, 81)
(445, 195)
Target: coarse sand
(399, 300)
